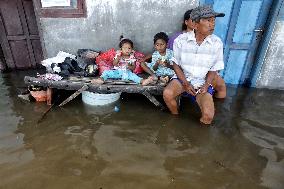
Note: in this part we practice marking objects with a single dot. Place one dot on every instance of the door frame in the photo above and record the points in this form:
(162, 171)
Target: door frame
(264, 43)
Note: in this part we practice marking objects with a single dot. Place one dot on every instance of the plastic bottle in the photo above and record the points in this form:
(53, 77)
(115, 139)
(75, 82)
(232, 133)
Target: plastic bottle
(116, 109)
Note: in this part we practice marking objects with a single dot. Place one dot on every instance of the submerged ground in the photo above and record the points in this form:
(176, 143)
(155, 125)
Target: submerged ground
(139, 146)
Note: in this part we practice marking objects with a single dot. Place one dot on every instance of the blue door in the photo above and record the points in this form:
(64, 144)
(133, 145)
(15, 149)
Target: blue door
(241, 31)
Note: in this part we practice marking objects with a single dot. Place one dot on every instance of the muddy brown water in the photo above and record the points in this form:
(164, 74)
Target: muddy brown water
(139, 146)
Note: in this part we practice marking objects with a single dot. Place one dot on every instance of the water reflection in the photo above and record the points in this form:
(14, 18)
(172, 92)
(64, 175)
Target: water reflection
(12, 148)
(81, 146)
(263, 125)
(100, 110)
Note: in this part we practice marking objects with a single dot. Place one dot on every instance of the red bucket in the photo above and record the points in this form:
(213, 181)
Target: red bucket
(40, 96)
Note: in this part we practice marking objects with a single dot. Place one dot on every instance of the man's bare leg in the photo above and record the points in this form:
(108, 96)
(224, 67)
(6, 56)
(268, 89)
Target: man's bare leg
(171, 91)
(220, 87)
(206, 104)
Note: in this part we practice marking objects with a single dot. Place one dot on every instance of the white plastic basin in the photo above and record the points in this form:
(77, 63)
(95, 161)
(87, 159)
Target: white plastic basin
(98, 99)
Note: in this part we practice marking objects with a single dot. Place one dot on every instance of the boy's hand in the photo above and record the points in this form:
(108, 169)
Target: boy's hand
(160, 62)
(163, 63)
(166, 63)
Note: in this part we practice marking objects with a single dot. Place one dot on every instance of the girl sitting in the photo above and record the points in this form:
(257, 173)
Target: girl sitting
(123, 66)
(160, 65)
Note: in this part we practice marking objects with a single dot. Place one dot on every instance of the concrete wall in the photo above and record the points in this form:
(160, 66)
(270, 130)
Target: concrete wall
(272, 72)
(108, 19)
(140, 20)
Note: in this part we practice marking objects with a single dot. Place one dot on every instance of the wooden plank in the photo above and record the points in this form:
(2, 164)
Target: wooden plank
(5, 45)
(153, 100)
(20, 53)
(37, 51)
(16, 22)
(108, 87)
(24, 20)
(45, 113)
(2, 65)
(85, 87)
(30, 17)
(104, 88)
(234, 71)
(222, 24)
(22, 37)
(49, 92)
(11, 17)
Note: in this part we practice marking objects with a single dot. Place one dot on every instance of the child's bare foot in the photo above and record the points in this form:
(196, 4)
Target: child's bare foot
(149, 80)
(164, 79)
(97, 81)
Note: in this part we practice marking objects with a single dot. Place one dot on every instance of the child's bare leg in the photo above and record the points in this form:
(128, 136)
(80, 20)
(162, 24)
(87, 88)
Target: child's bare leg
(149, 80)
(147, 69)
(97, 81)
(115, 74)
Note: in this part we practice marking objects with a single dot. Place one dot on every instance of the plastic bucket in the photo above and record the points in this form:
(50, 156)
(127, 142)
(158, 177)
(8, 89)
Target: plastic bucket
(98, 99)
(40, 96)
(100, 110)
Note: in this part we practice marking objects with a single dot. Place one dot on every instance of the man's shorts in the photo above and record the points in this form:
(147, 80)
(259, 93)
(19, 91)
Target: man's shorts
(210, 90)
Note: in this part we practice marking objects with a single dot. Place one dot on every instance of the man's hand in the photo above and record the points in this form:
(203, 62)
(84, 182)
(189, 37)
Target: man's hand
(189, 88)
(204, 88)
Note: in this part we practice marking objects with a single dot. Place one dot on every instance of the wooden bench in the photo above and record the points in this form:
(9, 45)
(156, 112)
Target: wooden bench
(110, 86)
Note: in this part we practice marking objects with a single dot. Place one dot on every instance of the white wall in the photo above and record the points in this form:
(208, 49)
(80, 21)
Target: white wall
(138, 20)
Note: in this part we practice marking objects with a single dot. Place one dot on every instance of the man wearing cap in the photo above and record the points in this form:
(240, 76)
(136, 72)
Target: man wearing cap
(198, 55)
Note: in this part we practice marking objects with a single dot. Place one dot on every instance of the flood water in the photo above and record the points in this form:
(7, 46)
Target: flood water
(139, 146)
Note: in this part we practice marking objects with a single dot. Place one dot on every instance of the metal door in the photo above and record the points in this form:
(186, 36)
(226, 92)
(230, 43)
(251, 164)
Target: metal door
(19, 35)
(241, 31)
